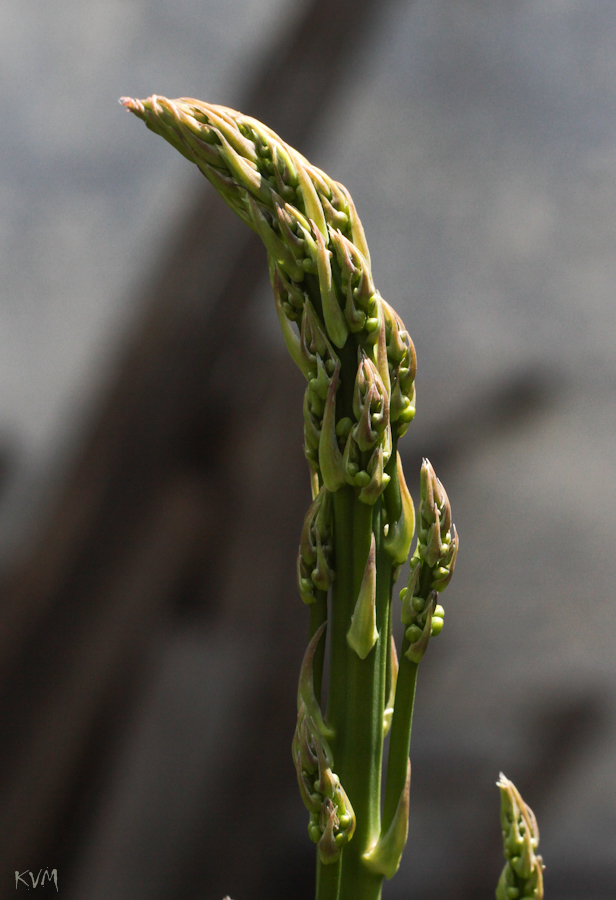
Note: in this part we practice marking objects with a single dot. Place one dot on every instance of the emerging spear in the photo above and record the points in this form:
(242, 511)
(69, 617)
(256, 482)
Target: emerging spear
(359, 363)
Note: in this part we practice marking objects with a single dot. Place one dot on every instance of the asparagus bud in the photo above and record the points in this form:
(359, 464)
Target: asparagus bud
(314, 341)
(363, 634)
(335, 322)
(286, 312)
(370, 404)
(320, 362)
(332, 820)
(400, 533)
(432, 565)
(393, 668)
(402, 362)
(290, 295)
(384, 858)
(379, 479)
(368, 445)
(330, 457)
(314, 571)
(356, 284)
(265, 226)
(522, 876)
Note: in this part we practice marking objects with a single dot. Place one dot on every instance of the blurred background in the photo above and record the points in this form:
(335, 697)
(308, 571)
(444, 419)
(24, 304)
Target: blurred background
(152, 481)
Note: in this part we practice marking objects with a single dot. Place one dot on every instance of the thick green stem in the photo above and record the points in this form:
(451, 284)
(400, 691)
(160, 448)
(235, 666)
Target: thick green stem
(356, 694)
(357, 687)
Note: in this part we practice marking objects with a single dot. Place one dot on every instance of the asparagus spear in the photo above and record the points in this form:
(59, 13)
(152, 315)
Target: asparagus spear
(522, 876)
(359, 362)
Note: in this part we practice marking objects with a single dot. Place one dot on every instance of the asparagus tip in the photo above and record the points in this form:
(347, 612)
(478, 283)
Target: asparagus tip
(134, 106)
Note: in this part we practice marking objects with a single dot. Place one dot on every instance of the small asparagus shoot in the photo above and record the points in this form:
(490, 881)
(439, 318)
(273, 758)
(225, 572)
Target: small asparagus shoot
(522, 876)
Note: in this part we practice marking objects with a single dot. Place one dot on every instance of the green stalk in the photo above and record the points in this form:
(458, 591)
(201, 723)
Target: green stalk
(357, 688)
(400, 736)
(401, 725)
